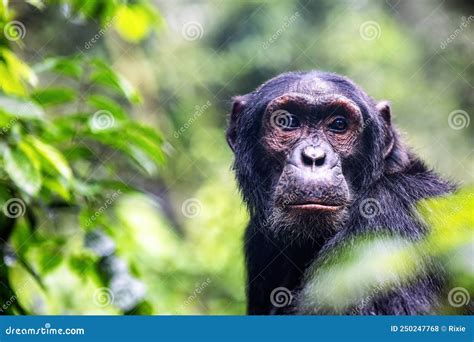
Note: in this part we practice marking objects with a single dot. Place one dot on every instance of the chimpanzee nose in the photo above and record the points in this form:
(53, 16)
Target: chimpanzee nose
(313, 156)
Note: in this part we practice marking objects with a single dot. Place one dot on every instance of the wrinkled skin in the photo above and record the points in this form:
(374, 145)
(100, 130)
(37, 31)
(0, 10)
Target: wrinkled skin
(309, 148)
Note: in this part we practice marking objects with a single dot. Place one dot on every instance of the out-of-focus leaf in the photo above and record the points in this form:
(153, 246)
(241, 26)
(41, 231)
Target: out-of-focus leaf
(83, 262)
(29, 268)
(451, 219)
(352, 273)
(142, 160)
(107, 77)
(19, 108)
(39, 4)
(53, 96)
(68, 66)
(145, 220)
(52, 158)
(140, 143)
(24, 171)
(50, 258)
(14, 73)
(148, 140)
(106, 103)
(133, 22)
(57, 186)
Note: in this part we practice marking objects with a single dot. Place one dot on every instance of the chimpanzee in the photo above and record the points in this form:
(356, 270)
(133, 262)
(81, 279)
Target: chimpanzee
(310, 149)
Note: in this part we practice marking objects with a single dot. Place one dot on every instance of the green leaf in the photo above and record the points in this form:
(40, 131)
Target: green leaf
(39, 4)
(81, 263)
(142, 160)
(57, 186)
(451, 220)
(51, 157)
(19, 108)
(105, 76)
(23, 171)
(106, 103)
(14, 73)
(53, 96)
(51, 257)
(140, 143)
(147, 140)
(136, 155)
(68, 66)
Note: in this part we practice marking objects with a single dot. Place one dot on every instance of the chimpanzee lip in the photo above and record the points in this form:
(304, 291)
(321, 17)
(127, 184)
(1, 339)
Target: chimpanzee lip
(315, 206)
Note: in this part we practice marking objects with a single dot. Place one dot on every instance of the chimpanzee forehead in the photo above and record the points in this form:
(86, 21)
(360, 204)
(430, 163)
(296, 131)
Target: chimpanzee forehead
(315, 84)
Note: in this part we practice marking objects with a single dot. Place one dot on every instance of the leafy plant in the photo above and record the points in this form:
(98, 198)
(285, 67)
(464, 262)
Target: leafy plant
(57, 141)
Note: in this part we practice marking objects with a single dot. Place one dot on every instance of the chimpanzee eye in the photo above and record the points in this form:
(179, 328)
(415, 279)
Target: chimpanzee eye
(339, 125)
(293, 122)
(281, 119)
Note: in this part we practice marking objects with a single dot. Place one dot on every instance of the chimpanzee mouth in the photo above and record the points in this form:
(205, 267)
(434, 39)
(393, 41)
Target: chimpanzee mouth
(311, 206)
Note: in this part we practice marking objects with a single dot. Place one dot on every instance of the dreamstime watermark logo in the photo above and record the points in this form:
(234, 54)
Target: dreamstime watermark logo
(14, 298)
(108, 202)
(286, 24)
(365, 301)
(465, 22)
(281, 119)
(101, 120)
(14, 208)
(5, 129)
(197, 291)
(192, 30)
(14, 30)
(103, 297)
(370, 207)
(370, 30)
(458, 119)
(281, 297)
(199, 110)
(99, 34)
(191, 208)
(458, 296)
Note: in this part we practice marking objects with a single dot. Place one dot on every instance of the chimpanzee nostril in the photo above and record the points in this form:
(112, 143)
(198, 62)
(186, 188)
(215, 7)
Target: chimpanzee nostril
(313, 156)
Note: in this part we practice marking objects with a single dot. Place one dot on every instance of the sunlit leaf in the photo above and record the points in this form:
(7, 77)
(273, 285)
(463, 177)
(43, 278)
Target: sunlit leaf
(53, 96)
(52, 157)
(23, 171)
(57, 186)
(133, 22)
(101, 102)
(81, 263)
(51, 257)
(451, 219)
(39, 4)
(107, 77)
(68, 66)
(146, 139)
(14, 73)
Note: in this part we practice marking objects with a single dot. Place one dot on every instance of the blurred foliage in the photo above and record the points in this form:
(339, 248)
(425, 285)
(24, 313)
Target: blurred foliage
(112, 115)
(352, 275)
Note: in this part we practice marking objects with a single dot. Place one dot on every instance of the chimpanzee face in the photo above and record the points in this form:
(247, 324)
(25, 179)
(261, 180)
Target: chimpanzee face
(310, 136)
(301, 143)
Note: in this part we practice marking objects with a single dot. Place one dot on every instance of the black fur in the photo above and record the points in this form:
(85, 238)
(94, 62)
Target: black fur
(382, 169)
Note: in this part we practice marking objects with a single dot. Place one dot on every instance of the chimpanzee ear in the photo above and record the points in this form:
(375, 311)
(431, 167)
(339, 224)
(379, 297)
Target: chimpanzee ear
(394, 152)
(383, 107)
(238, 105)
